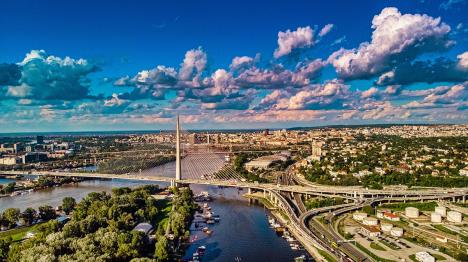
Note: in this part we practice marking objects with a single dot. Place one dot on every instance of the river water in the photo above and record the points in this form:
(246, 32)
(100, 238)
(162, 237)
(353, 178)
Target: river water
(243, 232)
(4, 181)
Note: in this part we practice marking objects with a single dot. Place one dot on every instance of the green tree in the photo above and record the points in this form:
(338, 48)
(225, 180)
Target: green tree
(28, 216)
(9, 188)
(161, 253)
(4, 247)
(68, 204)
(10, 217)
(46, 212)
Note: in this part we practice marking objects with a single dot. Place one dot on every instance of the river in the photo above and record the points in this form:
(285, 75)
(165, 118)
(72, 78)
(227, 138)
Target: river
(243, 231)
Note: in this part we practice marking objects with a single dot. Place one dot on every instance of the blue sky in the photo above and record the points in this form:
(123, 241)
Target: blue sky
(92, 65)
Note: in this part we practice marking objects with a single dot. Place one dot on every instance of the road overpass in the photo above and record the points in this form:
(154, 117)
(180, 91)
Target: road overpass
(353, 193)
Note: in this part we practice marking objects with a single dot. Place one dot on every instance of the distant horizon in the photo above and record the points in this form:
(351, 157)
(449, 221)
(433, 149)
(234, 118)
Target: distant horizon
(296, 128)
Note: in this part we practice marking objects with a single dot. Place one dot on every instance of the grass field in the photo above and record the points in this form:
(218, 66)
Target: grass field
(377, 246)
(374, 256)
(326, 256)
(18, 234)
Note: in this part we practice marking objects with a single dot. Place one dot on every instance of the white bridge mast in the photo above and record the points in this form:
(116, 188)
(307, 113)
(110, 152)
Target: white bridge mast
(178, 166)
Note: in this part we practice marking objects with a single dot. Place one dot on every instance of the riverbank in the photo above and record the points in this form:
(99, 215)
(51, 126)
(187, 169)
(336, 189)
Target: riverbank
(30, 183)
(285, 221)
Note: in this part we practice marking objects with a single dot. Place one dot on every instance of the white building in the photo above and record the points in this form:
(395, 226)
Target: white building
(358, 216)
(464, 171)
(9, 161)
(396, 232)
(370, 231)
(265, 162)
(386, 227)
(424, 257)
(390, 216)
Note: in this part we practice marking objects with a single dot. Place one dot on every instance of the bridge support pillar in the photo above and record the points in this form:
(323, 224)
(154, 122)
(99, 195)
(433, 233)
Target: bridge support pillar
(453, 199)
(249, 191)
(264, 193)
(463, 199)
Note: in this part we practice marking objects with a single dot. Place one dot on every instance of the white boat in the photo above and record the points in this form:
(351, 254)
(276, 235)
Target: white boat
(276, 225)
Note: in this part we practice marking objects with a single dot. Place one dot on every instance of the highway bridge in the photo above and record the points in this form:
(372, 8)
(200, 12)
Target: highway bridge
(329, 191)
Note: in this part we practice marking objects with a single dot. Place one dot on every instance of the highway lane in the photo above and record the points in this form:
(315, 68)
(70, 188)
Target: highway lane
(328, 191)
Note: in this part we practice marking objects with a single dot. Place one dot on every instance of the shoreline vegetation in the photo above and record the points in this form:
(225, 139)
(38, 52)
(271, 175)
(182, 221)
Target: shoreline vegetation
(102, 227)
(42, 182)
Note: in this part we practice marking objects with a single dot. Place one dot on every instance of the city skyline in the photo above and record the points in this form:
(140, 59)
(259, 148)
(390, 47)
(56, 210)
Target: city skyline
(82, 67)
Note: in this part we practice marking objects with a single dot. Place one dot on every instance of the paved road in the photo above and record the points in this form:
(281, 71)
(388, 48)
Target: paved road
(303, 189)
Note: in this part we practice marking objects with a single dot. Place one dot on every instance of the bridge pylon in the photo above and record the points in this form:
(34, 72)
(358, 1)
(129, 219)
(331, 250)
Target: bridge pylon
(178, 175)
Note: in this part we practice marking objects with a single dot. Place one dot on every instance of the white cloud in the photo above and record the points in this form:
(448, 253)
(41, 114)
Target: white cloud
(239, 62)
(463, 61)
(371, 92)
(47, 77)
(325, 30)
(195, 62)
(396, 37)
(290, 40)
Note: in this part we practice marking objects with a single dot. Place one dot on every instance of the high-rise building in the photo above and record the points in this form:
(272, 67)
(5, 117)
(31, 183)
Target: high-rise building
(316, 150)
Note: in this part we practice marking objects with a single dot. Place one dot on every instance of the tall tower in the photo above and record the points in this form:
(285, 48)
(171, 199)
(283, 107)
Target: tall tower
(178, 166)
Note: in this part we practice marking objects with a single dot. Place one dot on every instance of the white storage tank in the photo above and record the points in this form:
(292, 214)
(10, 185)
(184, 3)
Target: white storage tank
(436, 217)
(359, 216)
(412, 212)
(386, 227)
(454, 216)
(441, 210)
(396, 232)
(370, 221)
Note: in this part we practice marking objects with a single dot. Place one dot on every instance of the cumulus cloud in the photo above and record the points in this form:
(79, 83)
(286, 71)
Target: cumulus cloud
(194, 64)
(442, 96)
(10, 74)
(239, 103)
(463, 61)
(242, 62)
(149, 83)
(290, 40)
(161, 76)
(371, 92)
(331, 95)
(279, 77)
(396, 38)
(45, 77)
(440, 70)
